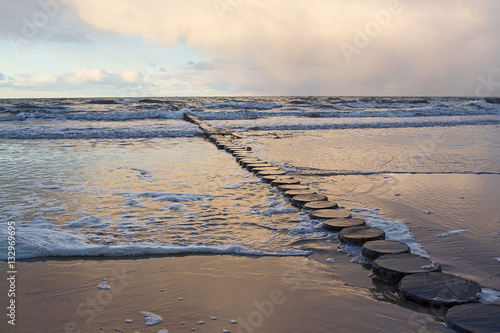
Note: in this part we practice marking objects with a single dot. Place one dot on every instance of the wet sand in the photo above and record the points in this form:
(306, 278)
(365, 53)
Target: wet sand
(432, 206)
(266, 294)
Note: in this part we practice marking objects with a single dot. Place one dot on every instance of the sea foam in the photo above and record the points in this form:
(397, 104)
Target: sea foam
(39, 240)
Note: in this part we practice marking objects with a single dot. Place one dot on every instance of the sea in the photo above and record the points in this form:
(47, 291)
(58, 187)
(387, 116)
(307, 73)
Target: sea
(116, 177)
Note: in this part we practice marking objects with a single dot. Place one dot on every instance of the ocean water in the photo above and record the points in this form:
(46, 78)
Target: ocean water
(129, 177)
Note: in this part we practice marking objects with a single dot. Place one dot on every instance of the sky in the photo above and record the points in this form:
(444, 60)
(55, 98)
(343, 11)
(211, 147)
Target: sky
(142, 48)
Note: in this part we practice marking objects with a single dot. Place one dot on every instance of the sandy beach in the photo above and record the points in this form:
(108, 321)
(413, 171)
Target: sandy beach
(261, 294)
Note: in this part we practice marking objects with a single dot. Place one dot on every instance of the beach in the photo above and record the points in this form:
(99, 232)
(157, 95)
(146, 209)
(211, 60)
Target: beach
(126, 208)
(261, 294)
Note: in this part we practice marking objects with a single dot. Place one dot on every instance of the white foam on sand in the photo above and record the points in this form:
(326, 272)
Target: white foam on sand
(274, 203)
(453, 232)
(104, 286)
(277, 207)
(489, 295)
(308, 227)
(394, 230)
(165, 196)
(279, 210)
(151, 318)
(354, 251)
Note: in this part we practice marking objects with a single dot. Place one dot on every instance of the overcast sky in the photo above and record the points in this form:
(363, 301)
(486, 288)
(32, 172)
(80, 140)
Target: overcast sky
(137, 48)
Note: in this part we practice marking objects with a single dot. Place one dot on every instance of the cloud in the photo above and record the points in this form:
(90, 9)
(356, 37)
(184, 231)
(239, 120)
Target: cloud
(85, 75)
(278, 47)
(2, 77)
(95, 75)
(22, 22)
(204, 66)
(130, 76)
(295, 47)
(78, 79)
(29, 81)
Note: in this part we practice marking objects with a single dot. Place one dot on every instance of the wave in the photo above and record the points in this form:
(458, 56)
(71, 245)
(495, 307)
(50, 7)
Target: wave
(298, 123)
(245, 105)
(171, 128)
(46, 240)
(492, 100)
(107, 101)
(65, 114)
(102, 101)
(247, 114)
(244, 108)
(96, 133)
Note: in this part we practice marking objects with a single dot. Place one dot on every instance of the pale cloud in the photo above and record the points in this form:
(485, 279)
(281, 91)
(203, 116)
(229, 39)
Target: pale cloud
(77, 80)
(131, 76)
(85, 75)
(96, 75)
(294, 47)
(29, 81)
